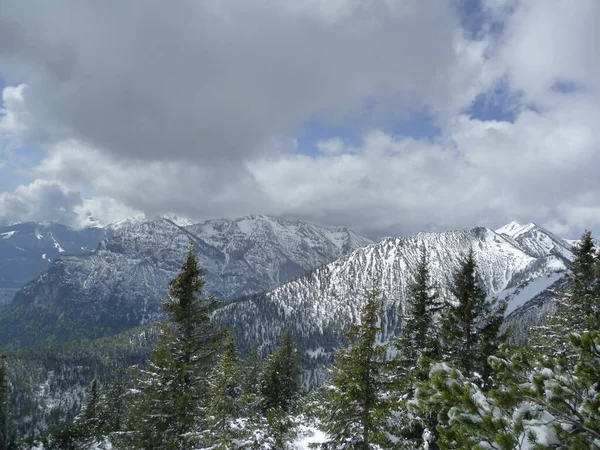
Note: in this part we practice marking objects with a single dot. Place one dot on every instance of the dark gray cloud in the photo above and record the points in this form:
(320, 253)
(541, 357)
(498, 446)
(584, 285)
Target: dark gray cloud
(214, 80)
(192, 108)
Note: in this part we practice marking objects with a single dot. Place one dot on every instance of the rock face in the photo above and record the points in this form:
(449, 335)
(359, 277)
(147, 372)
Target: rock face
(27, 249)
(320, 305)
(121, 284)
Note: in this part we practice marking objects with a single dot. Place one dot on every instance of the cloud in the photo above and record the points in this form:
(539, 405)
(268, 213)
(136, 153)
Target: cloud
(215, 80)
(40, 200)
(331, 146)
(44, 200)
(196, 107)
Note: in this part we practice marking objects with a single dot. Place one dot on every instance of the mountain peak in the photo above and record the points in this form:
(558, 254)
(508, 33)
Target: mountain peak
(536, 240)
(509, 228)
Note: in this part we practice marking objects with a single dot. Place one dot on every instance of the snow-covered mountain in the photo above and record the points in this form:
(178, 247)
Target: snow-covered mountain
(27, 249)
(318, 306)
(277, 250)
(121, 284)
(537, 241)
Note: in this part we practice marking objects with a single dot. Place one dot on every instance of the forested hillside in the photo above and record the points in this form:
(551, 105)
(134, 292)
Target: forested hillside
(448, 377)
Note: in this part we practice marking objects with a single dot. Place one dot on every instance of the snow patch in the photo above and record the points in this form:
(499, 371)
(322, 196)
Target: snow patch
(8, 234)
(308, 435)
(524, 292)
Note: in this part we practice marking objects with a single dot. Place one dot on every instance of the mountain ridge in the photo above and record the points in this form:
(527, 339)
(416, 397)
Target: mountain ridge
(120, 285)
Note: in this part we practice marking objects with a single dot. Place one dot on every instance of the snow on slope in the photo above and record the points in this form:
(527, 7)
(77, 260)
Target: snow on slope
(521, 294)
(537, 241)
(27, 248)
(317, 307)
(122, 283)
(278, 248)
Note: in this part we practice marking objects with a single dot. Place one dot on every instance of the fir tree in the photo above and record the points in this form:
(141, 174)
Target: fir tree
(4, 438)
(417, 337)
(539, 402)
(89, 419)
(578, 309)
(355, 411)
(280, 379)
(86, 428)
(173, 389)
(278, 394)
(470, 323)
(225, 393)
(113, 411)
(251, 382)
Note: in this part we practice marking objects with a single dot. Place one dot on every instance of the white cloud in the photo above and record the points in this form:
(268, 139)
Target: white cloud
(214, 81)
(200, 119)
(552, 41)
(331, 146)
(13, 115)
(40, 200)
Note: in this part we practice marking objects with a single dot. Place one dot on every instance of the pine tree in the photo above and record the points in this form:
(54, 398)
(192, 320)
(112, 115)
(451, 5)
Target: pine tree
(471, 323)
(538, 403)
(575, 311)
(4, 438)
(417, 337)
(113, 412)
(278, 395)
(355, 412)
(86, 428)
(251, 382)
(173, 389)
(280, 379)
(89, 419)
(225, 393)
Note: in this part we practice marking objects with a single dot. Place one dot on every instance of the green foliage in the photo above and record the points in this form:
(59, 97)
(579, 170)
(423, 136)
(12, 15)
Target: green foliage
(4, 405)
(225, 391)
(538, 403)
(89, 419)
(250, 379)
(578, 309)
(170, 395)
(48, 383)
(112, 408)
(418, 337)
(355, 413)
(471, 323)
(280, 378)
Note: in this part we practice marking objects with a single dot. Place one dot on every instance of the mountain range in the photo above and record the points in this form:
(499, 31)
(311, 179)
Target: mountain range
(275, 274)
(319, 306)
(27, 249)
(120, 285)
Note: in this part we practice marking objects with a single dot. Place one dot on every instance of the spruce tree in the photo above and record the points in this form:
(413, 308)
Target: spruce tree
(225, 393)
(251, 371)
(113, 412)
(4, 438)
(575, 311)
(355, 413)
(417, 337)
(173, 389)
(280, 379)
(89, 419)
(538, 403)
(470, 322)
(279, 391)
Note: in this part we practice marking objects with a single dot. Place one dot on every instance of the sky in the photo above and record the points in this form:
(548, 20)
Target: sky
(386, 116)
